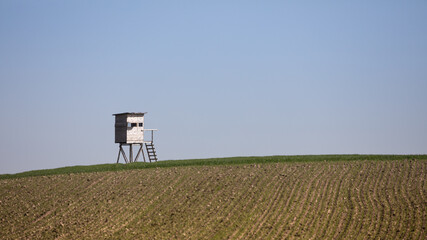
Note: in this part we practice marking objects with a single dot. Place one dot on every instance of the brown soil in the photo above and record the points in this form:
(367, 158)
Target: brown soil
(328, 200)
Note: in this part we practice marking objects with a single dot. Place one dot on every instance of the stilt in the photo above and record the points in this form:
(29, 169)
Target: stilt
(130, 153)
(139, 152)
(118, 156)
(142, 150)
(123, 153)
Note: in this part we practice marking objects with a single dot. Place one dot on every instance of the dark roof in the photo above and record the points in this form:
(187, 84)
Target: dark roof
(131, 113)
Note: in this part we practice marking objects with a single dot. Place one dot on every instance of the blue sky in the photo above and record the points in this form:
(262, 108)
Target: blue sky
(217, 78)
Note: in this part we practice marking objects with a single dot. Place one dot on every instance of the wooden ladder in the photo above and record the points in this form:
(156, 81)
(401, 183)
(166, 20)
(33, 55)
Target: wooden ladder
(151, 152)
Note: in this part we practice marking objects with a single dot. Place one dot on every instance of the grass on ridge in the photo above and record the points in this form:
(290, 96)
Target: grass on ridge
(207, 162)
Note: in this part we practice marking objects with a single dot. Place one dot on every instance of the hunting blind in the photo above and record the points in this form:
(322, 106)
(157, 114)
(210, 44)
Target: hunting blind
(129, 130)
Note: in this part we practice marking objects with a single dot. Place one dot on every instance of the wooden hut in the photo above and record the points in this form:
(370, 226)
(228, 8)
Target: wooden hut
(129, 131)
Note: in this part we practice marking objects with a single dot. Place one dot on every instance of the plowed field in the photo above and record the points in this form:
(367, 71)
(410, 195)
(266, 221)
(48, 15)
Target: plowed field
(312, 200)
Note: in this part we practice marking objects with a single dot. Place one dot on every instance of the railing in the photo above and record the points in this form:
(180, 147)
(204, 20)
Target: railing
(152, 135)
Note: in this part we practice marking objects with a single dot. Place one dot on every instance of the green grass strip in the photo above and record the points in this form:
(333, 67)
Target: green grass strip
(210, 162)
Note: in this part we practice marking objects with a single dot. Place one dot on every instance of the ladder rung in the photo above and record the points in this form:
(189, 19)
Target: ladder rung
(151, 151)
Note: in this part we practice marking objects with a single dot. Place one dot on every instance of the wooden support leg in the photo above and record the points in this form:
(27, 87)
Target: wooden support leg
(142, 150)
(130, 153)
(139, 152)
(123, 153)
(118, 156)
